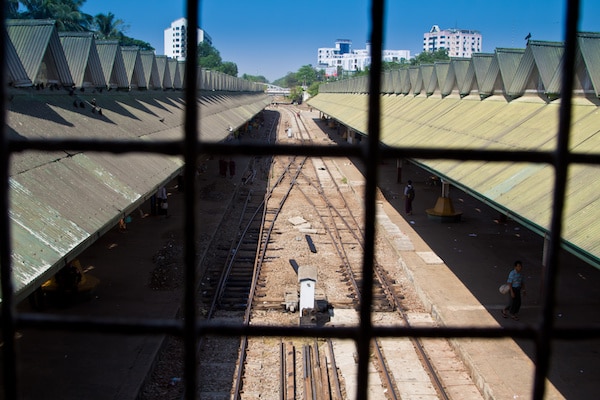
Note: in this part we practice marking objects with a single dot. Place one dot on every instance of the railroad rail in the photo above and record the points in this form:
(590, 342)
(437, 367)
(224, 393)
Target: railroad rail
(240, 283)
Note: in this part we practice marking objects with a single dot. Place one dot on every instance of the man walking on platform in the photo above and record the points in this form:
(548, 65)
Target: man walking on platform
(517, 286)
(409, 196)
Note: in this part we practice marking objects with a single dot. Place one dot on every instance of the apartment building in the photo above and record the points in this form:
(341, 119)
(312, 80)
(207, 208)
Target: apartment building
(458, 42)
(342, 55)
(175, 39)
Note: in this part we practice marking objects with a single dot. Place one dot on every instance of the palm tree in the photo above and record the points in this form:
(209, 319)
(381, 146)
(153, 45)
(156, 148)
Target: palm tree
(107, 27)
(12, 10)
(66, 13)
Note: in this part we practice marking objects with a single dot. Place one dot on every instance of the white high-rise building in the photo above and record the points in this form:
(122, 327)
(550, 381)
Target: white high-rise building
(342, 55)
(176, 39)
(458, 42)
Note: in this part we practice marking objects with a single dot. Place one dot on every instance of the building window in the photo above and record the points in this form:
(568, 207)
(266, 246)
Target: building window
(543, 334)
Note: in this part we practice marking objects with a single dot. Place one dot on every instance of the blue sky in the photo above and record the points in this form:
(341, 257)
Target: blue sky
(274, 37)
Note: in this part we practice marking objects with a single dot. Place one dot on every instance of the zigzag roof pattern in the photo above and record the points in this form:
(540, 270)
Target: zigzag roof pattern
(77, 60)
(174, 73)
(45, 186)
(82, 58)
(508, 100)
(16, 72)
(37, 42)
(112, 63)
(151, 67)
(508, 72)
(133, 66)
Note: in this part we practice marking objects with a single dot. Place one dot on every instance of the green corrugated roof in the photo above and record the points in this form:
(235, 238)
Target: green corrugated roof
(112, 63)
(17, 76)
(82, 57)
(175, 72)
(528, 123)
(150, 69)
(589, 46)
(36, 42)
(133, 66)
(60, 203)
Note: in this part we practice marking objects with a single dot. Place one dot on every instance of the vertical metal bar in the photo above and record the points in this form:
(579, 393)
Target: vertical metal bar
(561, 166)
(9, 359)
(372, 157)
(190, 157)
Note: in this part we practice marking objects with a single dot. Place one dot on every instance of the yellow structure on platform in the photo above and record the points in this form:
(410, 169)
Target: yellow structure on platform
(444, 211)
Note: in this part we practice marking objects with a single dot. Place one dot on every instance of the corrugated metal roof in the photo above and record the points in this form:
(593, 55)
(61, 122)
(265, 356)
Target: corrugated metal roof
(445, 78)
(175, 72)
(150, 67)
(133, 66)
(386, 82)
(395, 78)
(57, 63)
(17, 76)
(36, 41)
(527, 123)
(61, 203)
(548, 57)
(589, 46)
(464, 73)
(179, 82)
(482, 66)
(30, 39)
(405, 85)
(511, 72)
(508, 63)
(430, 82)
(163, 72)
(416, 81)
(82, 58)
(112, 63)
(523, 72)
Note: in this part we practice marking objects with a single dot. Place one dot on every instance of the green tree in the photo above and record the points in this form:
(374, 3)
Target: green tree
(66, 13)
(288, 81)
(12, 9)
(296, 93)
(253, 78)
(320, 75)
(313, 89)
(391, 65)
(306, 75)
(127, 41)
(229, 68)
(208, 56)
(363, 72)
(107, 27)
(428, 57)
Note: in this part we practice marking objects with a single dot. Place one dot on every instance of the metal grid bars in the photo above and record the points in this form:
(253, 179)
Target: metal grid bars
(190, 147)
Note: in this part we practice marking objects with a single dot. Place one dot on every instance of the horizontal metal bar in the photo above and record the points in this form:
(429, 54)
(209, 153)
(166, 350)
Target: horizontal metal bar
(175, 327)
(258, 149)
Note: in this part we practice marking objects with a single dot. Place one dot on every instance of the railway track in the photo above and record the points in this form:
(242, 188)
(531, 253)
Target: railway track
(256, 274)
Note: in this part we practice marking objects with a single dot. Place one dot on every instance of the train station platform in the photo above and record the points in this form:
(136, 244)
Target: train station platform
(455, 267)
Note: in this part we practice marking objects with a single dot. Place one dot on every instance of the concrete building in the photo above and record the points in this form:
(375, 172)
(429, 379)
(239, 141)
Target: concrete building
(342, 55)
(458, 42)
(175, 39)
